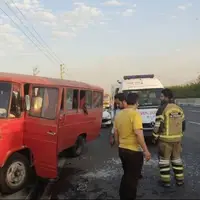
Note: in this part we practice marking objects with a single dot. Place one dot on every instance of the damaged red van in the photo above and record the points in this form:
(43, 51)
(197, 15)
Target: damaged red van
(40, 118)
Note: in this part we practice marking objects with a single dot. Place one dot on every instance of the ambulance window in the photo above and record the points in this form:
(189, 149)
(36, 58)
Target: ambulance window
(97, 99)
(44, 102)
(72, 99)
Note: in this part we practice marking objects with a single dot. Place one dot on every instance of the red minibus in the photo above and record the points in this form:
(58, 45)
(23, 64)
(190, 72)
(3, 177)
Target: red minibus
(40, 118)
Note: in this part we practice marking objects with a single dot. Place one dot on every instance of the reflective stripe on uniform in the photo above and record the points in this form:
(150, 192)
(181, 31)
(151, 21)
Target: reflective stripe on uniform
(156, 127)
(159, 118)
(155, 135)
(183, 115)
(164, 166)
(157, 124)
(171, 136)
(177, 161)
(177, 166)
(165, 174)
(164, 162)
(179, 177)
(165, 177)
(165, 169)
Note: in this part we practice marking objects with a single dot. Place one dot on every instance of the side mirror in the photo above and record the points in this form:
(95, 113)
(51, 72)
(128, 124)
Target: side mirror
(27, 102)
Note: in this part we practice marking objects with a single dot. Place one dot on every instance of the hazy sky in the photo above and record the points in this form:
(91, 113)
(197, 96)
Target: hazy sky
(100, 41)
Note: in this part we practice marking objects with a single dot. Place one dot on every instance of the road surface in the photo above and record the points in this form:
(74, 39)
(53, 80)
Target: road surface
(97, 173)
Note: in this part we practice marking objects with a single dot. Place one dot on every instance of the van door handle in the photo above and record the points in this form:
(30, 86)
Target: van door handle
(51, 133)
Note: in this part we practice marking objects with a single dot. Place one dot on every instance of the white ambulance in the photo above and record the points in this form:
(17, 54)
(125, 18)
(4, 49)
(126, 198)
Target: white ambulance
(148, 88)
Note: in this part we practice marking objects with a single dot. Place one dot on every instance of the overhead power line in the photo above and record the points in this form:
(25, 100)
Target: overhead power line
(28, 37)
(45, 53)
(44, 43)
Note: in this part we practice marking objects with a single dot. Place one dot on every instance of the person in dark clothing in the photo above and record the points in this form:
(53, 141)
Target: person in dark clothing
(117, 107)
(130, 140)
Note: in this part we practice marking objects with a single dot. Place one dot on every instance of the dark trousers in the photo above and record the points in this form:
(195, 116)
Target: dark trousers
(132, 162)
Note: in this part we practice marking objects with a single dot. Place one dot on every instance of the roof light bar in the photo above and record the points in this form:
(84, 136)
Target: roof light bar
(139, 76)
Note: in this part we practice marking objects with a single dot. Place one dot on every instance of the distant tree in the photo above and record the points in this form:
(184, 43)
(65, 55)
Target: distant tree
(198, 79)
(190, 90)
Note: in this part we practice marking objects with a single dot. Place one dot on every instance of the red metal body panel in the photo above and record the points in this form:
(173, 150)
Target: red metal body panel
(11, 137)
(76, 123)
(20, 78)
(43, 145)
(32, 132)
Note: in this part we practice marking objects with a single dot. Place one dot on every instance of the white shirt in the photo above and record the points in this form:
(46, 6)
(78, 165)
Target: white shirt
(117, 111)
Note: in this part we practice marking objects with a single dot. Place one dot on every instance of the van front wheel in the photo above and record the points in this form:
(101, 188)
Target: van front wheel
(14, 174)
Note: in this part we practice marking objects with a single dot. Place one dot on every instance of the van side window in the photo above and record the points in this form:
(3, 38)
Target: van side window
(15, 106)
(72, 99)
(97, 99)
(86, 98)
(89, 99)
(44, 102)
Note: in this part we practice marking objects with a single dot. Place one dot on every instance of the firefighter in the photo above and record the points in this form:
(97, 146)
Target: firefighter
(168, 132)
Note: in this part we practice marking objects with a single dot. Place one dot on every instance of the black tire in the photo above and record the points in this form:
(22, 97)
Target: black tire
(79, 147)
(8, 188)
(108, 125)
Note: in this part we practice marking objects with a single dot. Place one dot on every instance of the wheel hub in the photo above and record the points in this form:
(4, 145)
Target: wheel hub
(15, 174)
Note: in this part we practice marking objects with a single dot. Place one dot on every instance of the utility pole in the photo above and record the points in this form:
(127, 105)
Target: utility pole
(35, 71)
(62, 71)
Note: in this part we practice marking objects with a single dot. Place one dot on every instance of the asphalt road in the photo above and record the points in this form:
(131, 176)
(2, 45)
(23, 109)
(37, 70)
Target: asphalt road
(97, 174)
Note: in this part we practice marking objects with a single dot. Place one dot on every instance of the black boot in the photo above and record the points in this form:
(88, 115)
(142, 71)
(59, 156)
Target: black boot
(163, 184)
(167, 185)
(179, 183)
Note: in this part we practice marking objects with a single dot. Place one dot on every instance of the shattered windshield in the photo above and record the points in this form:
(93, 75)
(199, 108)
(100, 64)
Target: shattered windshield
(147, 97)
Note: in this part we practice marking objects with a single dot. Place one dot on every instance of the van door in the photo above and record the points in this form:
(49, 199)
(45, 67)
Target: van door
(72, 124)
(41, 130)
(87, 117)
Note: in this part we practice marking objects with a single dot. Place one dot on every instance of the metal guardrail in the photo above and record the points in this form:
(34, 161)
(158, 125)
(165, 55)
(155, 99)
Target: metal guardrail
(188, 102)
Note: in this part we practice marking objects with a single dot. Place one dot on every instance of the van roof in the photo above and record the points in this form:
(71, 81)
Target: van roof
(22, 78)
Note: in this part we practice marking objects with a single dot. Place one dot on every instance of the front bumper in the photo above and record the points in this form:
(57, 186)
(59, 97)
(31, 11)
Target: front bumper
(106, 121)
(147, 129)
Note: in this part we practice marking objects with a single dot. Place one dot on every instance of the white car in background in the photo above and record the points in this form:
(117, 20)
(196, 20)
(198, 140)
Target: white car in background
(106, 118)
